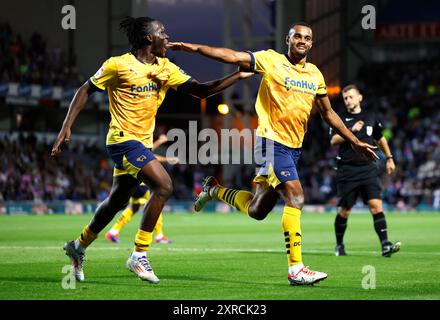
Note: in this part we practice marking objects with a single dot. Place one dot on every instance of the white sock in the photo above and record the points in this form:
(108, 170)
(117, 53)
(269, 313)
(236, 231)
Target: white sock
(113, 231)
(78, 246)
(136, 255)
(293, 270)
(158, 236)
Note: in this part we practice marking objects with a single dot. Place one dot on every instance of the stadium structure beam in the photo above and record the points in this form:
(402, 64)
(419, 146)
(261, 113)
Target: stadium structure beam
(116, 11)
(357, 43)
(245, 12)
(286, 13)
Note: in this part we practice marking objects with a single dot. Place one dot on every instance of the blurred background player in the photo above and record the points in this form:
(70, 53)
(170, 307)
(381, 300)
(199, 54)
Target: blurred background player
(136, 83)
(140, 198)
(357, 176)
(290, 86)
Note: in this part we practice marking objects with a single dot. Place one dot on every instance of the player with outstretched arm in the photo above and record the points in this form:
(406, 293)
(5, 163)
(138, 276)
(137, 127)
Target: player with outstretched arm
(289, 87)
(136, 83)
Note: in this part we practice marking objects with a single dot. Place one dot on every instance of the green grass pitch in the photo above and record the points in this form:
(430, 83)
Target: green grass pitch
(223, 257)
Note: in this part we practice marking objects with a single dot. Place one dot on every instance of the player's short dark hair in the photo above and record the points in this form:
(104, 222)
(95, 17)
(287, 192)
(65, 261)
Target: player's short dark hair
(299, 23)
(350, 87)
(136, 29)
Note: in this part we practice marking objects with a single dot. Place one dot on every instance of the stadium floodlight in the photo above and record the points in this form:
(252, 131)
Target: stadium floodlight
(223, 108)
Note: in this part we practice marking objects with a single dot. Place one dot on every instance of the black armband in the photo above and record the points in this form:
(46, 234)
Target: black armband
(92, 88)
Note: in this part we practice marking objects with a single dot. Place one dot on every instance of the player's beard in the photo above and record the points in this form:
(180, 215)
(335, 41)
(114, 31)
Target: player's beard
(300, 55)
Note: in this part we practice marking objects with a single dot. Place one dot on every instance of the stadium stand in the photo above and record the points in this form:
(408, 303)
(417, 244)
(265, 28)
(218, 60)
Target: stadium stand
(33, 62)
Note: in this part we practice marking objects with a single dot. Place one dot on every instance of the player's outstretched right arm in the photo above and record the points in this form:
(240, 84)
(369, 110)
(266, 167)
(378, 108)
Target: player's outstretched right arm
(331, 117)
(77, 104)
(225, 55)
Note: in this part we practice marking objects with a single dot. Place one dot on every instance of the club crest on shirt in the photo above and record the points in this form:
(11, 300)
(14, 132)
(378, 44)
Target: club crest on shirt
(369, 130)
(285, 173)
(99, 72)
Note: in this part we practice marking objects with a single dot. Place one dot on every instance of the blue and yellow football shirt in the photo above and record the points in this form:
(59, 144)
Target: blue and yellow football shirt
(285, 97)
(136, 91)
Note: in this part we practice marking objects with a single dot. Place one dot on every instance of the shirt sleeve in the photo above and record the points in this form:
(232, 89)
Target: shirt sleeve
(177, 76)
(261, 61)
(106, 75)
(377, 130)
(322, 88)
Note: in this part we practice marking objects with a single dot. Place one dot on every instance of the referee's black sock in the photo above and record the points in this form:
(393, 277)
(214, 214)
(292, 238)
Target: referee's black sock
(380, 225)
(340, 227)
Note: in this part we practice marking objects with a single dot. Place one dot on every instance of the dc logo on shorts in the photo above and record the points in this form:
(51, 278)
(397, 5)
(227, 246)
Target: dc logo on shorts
(285, 173)
(141, 158)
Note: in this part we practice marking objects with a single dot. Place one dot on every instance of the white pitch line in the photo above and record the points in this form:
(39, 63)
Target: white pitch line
(111, 248)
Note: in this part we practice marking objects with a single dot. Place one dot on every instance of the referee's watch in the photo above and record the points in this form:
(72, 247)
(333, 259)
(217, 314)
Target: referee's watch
(389, 158)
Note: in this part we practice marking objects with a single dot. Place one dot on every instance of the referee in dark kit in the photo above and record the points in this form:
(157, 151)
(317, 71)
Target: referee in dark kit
(357, 176)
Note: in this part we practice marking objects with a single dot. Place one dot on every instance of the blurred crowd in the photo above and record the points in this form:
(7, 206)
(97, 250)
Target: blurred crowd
(32, 61)
(408, 97)
(83, 171)
(28, 172)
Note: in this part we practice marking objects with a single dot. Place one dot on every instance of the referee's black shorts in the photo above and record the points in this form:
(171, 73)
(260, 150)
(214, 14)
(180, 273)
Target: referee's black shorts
(351, 185)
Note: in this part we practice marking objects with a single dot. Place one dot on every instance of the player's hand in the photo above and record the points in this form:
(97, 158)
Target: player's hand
(181, 46)
(245, 73)
(390, 166)
(173, 160)
(63, 138)
(357, 126)
(366, 150)
(162, 138)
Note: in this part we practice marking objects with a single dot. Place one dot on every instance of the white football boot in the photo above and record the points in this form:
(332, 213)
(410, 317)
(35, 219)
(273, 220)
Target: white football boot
(142, 268)
(305, 276)
(204, 197)
(76, 258)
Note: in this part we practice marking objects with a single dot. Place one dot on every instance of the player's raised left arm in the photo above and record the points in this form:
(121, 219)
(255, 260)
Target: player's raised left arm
(332, 118)
(225, 55)
(207, 89)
